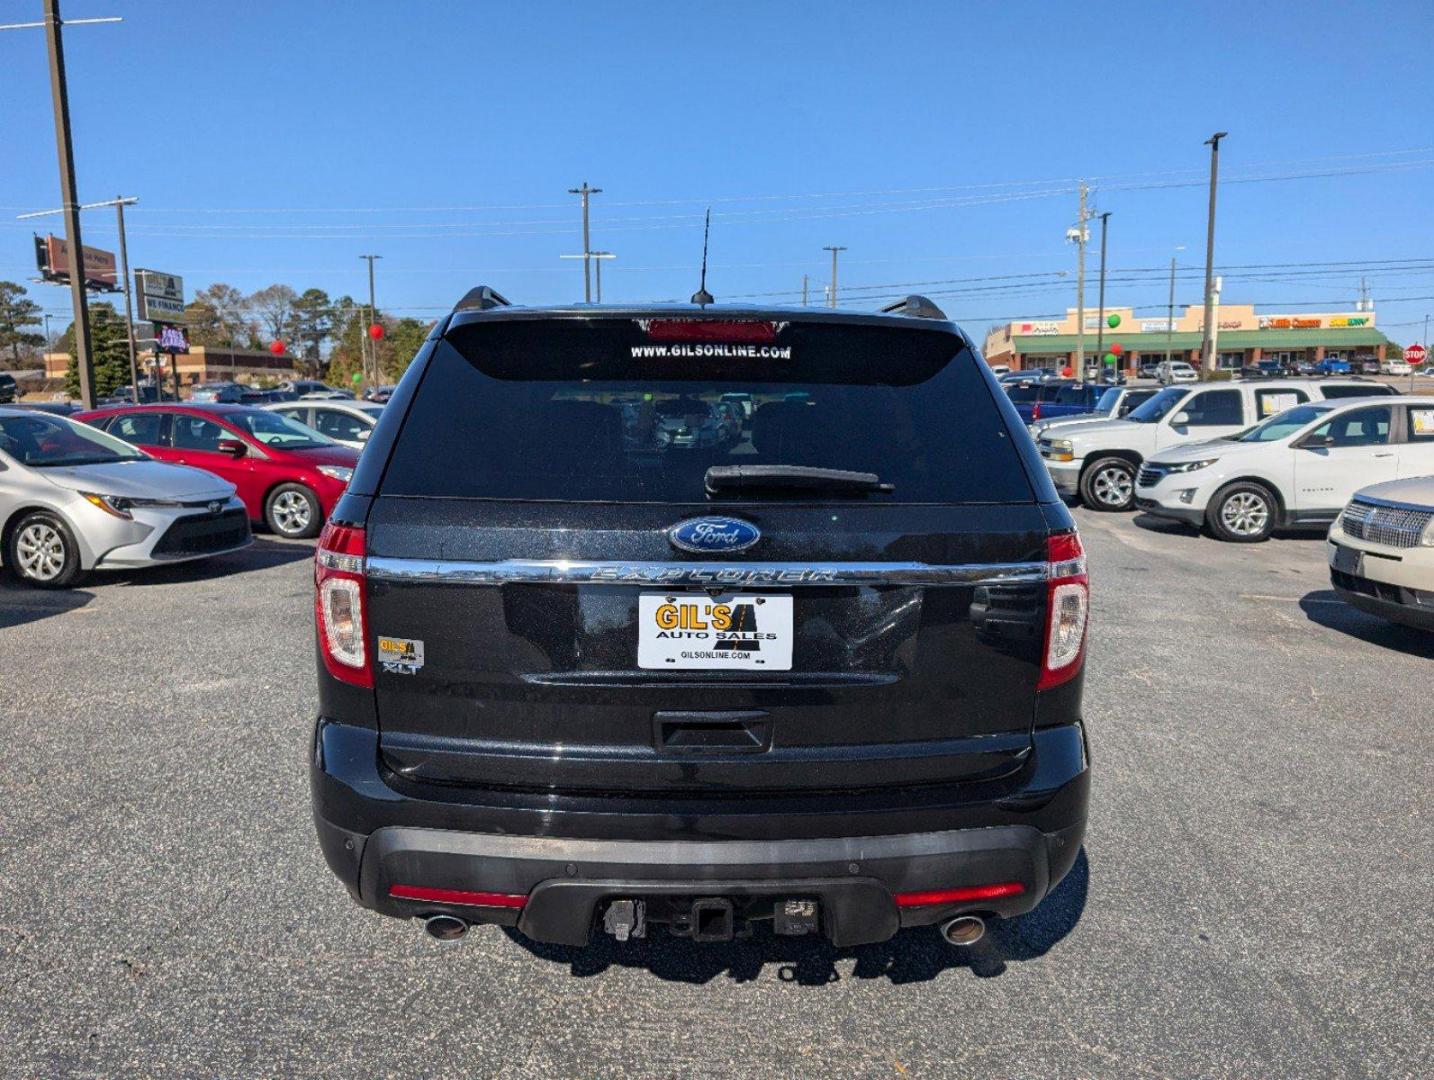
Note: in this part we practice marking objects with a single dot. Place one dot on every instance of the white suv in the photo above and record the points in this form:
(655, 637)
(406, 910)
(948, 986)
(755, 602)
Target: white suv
(1097, 462)
(1175, 371)
(1297, 468)
(1381, 551)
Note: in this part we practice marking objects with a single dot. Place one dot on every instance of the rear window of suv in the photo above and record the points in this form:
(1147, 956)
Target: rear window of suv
(615, 410)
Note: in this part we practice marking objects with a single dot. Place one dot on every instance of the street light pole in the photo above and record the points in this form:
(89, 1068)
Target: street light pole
(1170, 313)
(120, 203)
(1207, 343)
(1100, 322)
(364, 346)
(60, 98)
(832, 296)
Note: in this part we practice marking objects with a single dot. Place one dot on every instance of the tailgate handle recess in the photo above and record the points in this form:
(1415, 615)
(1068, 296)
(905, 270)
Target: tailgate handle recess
(723, 732)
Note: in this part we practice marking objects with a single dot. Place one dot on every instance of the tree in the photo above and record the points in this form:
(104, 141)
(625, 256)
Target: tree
(404, 340)
(274, 305)
(219, 316)
(18, 311)
(313, 324)
(110, 345)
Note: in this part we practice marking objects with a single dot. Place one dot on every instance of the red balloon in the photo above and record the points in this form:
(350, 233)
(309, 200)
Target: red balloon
(376, 331)
(277, 348)
(1066, 371)
(1117, 348)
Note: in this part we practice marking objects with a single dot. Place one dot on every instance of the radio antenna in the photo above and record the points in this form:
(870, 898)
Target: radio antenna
(702, 296)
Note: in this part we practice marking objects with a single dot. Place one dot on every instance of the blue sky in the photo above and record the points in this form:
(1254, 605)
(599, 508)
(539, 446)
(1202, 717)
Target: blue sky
(938, 142)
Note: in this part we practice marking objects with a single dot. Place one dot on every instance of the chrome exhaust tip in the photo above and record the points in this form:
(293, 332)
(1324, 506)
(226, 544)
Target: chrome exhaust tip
(964, 930)
(448, 928)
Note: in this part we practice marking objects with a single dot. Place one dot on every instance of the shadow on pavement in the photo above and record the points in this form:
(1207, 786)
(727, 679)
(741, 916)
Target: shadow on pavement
(260, 555)
(913, 956)
(1164, 526)
(21, 604)
(1324, 606)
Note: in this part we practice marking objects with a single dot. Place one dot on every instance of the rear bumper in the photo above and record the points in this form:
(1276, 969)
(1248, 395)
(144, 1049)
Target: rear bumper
(566, 858)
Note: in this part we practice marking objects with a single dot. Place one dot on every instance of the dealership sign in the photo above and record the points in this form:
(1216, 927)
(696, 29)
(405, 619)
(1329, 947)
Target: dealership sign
(1040, 329)
(52, 256)
(161, 296)
(1157, 326)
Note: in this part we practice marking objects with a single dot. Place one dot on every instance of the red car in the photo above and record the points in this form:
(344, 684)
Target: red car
(289, 476)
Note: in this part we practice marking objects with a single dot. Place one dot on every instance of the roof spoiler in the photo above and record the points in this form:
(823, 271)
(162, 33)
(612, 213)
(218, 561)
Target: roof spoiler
(918, 307)
(483, 298)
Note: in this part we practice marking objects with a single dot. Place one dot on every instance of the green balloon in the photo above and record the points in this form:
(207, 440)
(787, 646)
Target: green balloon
(1113, 321)
(1110, 359)
(357, 377)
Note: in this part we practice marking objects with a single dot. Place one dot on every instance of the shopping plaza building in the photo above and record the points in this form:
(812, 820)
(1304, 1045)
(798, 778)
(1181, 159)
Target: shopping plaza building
(1242, 337)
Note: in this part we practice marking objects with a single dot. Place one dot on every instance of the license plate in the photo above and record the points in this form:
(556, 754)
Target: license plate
(1349, 560)
(678, 631)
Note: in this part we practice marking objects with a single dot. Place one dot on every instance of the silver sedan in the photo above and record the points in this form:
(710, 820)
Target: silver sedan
(73, 499)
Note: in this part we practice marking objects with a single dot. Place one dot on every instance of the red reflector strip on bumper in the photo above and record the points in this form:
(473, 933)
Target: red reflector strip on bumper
(958, 896)
(457, 896)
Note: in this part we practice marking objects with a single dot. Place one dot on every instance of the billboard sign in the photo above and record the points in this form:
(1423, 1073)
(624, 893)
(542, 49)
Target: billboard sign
(160, 295)
(172, 340)
(52, 255)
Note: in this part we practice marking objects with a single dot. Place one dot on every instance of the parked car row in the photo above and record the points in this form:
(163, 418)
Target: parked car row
(1355, 456)
(134, 485)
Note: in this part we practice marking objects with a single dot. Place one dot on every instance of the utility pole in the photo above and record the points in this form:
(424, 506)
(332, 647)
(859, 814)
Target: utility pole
(804, 290)
(832, 296)
(1170, 312)
(1207, 357)
(1080, 234)
(365, 347)
(1100, 322)
(60, 98)
(586, 193)
(120, 202)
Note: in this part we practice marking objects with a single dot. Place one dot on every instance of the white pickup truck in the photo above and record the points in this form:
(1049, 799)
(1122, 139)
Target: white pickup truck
(1097, 462)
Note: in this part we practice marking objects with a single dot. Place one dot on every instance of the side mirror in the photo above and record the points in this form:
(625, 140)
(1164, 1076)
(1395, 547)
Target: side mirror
(1180, 419)
(1317, 442)
(232, 447)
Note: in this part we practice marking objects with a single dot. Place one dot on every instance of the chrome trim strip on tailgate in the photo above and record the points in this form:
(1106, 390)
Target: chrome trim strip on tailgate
(578, 572)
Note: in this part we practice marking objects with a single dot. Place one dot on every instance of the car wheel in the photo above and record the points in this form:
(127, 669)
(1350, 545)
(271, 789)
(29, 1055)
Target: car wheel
(1242, 513)
(42, 551)
(292, 511)
(1109, 485)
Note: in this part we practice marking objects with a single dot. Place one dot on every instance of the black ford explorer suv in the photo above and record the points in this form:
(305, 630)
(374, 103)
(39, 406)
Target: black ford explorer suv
(600, 651)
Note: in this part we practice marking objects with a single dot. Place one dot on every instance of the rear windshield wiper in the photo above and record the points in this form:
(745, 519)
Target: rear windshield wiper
(791, 478)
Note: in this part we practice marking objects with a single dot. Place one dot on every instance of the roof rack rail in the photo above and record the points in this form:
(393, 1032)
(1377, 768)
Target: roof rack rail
(483, 298)
(918, 307)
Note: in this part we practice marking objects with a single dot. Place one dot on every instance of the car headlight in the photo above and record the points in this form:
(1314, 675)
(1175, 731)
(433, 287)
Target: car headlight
(1059, 449)
(1427, 540)
(1190, 466)
(116, 505)
(338, 472)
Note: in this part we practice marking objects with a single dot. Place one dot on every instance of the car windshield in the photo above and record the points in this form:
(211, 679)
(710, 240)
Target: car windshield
(275, 430)
(42, 440)
(1108, 400)
(1157, 407)
(1283, 424)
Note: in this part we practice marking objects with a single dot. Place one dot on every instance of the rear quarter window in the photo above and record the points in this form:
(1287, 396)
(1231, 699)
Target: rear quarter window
(589, 410)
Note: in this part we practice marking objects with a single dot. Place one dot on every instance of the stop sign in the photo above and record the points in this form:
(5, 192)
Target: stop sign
(1415, 354)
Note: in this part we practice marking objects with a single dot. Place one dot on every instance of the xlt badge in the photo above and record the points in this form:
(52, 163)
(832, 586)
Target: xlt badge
(707, 535)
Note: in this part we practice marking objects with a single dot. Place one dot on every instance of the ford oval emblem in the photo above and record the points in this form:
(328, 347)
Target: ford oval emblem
(707, 535)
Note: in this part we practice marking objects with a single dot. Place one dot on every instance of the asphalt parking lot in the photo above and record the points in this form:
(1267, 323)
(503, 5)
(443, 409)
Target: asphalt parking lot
(1253, 900)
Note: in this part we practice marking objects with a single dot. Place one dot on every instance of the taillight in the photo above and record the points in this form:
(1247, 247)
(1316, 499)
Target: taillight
(339, 590)
(1036, 412)
(959, 896)
(1067, 610)
(743, 331)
